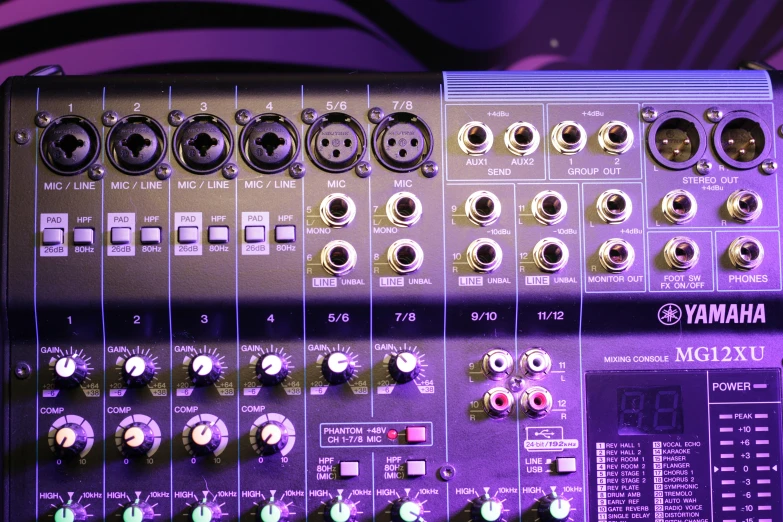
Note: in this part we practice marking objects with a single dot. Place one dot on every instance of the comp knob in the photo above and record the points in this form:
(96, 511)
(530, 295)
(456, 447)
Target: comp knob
(205, 511)
(340, 510)
(273, 510)
(553, 508)
(404, 366)
(272, 437)
(70, 512)
(205, 369)
(137, 511)
(204, 438)
(486, 509)
(137, 371)
(70, 371)
(338, 367)
(406, 509)
(137, 439)
(271, 369)
(69, 440)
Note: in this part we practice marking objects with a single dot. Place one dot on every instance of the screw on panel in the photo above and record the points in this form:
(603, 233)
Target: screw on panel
(22, 136)
(163, 171)
(447, 472)
(22, 370)
(363, 169)
(176, 118)
(309, 116)
(243, 116)
(43, 118)
(375, 114)
(109, 118)
(297, 170)
(649, 114)
(230, 171)
(769, 166)
(780, 131)
(703, 166)
(96, 172)
(714, 114)
(430, 169)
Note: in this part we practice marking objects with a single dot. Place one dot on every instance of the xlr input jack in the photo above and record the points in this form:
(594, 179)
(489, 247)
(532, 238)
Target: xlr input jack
(498, 403)
(616, 255)
(404, 209)
(536, 402)
(475, 138)
(550, 254)
(536, 363)
(338, 257)
(746, 253)
(522, 138)
(744, 205)
(549, 207)
(483, 208)
(615, 137)
(337, 210)
(568, 137)
(405, 256)
(679, 206)
(681, 253)
(614, 206)
(484, 255)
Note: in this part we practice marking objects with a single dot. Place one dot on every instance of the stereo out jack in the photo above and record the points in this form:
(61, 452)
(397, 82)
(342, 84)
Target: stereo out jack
(744, 205)
(337, 210)
(536, 402)
(475, 138)
(338, 257)
(498, 403)
(550, 254)
(483, 208)
(404, 209)
(484, 255)
(568, 137)
(679, 206)
(536, 363)
(614, 206)
(746, 253)
(616, 255)
(405, 256)
(681, 253)
(549, 207)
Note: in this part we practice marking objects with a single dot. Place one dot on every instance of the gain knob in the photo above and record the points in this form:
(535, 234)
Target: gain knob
(205, 511)
(205, 369)
(204, 438)
(137, 511)
(273, 511)
(486, 509)
(272, 437)
(70, 371)
(271, 369)
(137, 371)
(338, 367)
(69, 440)
(137, 439)
(340, 510)
(406, 509)
(404, 366)
(70, 512)
(553, 508)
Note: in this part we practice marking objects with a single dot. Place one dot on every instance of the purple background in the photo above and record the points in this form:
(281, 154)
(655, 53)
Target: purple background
(95, 36)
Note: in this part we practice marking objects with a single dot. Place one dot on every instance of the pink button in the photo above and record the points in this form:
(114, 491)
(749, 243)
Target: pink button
(416, 434)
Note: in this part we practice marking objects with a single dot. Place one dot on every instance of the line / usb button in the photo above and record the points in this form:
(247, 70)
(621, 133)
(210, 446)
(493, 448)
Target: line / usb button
(187, 235)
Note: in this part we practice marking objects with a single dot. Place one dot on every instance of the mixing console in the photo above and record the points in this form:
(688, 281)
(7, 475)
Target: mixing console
(470, 296)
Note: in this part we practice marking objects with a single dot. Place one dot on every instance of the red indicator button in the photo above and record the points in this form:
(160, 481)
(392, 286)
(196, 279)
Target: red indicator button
(391, 434)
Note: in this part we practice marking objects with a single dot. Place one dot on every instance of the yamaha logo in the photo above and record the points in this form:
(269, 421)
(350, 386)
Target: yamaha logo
(669, 314)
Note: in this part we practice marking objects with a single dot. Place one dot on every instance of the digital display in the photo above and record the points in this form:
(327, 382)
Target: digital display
(649, 411)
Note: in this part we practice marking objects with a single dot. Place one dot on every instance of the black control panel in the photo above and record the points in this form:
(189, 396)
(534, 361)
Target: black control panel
(410, 298)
